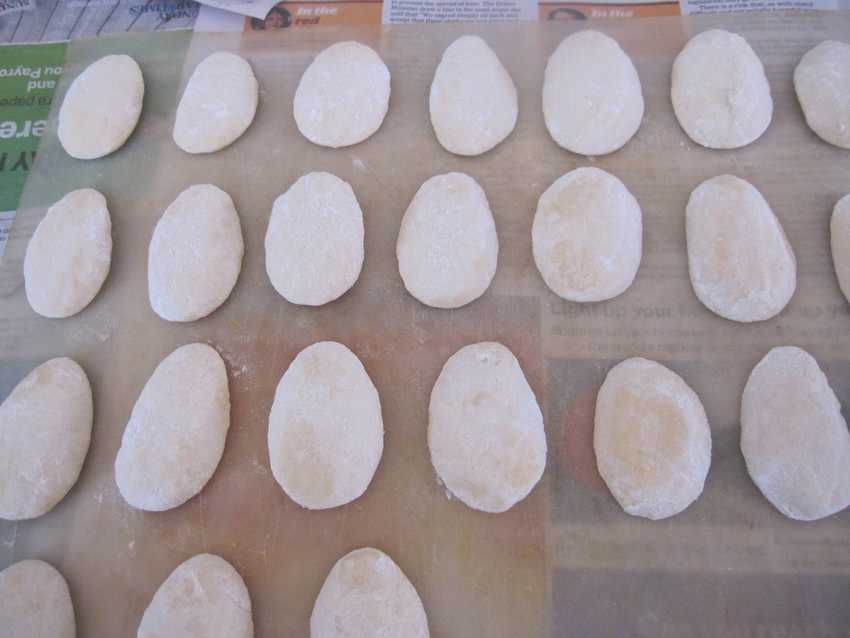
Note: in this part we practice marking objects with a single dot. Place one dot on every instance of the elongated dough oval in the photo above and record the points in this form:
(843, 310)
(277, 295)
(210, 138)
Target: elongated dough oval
(175, 436)
(204, 597)
(822, 82)
(651, 438)
(35, 602)
(326, 433)
(102, 107)
(45, 430)
(218, 104)
(793, 437)
(839, 237)
(739, 259)
(485, 429)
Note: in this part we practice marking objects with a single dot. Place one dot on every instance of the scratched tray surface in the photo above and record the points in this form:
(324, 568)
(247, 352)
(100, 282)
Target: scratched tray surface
(564, 562)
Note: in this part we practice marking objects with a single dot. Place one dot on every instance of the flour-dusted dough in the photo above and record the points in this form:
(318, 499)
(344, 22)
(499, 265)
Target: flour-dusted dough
(720, 92)
(651, 438)
(822, 82)
(473, 101)
(587, 236)
(218, 104)
(102, 107)
(68, 257)
(447, 247)
(839, 233)
(793, 437)
(592, 98)
(195, 254)
(367, 594)
(45, 429)
(343, 96)
(176, 432)
(203, 597)
(35, 602)
(485, 429)
(326, 434)
(741, 264)
(314, 242)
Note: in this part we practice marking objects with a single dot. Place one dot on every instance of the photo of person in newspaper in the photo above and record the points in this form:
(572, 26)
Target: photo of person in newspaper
(278, 17)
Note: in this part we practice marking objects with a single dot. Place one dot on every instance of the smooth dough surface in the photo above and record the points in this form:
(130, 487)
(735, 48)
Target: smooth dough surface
(793, 437)
(473, 101)
(651, 438)
(68, 257)
(447, 247)
(822, 82)
(839, 235)
(195, 254)
(739, 259)
(314, 241)
(204, 597)
(485, 428)
(587, 236)
(218, 104)
(326, 434)
(102, 107)
(367, 594)
(720, 93)
(45, 430)
(592, 98)
(175, 436)
(35, 602)
(343, 96)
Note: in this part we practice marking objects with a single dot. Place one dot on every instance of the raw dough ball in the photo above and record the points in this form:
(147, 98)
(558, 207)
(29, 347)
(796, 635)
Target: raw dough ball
(69, 255)
(720, 93)
(203, 598)
(326, 434)
(195, 254)
(447, 247)
(314, 242)
(822, 82)
(343, 96)
(839, 230)
(102, 107)
(592, 99)
(741, 264)
(45, 429)
(793, 437)
(485, 429)
(176, 432)
(218, 104)
(35, 602)
(651, 439)
(473, 100)
(366, 594)
(587, 236)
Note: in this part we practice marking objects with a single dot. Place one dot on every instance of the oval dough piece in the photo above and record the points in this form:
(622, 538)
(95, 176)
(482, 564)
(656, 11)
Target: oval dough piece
(326, 434)
(485, 429)
(195, 254)
(314, 242)
(343, 96)
(651, 438)
(366, 594)
(35, 602)
(720, 92)
(447, 247)
(587, 236)
(592, 98)
(68, 257)
(102, 107)
(218, 104)
(473, 101)
(793, 437)
(822, 82)
(45, 430)
(740, 262)
(176, 432)
(203, 598)
(839, 234)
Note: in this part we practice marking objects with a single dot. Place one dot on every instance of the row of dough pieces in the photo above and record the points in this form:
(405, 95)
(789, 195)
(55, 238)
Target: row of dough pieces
(592, 97)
